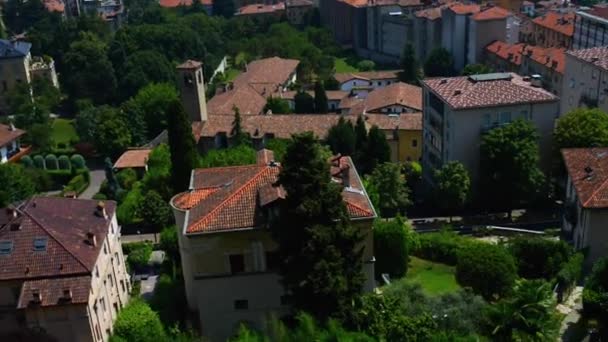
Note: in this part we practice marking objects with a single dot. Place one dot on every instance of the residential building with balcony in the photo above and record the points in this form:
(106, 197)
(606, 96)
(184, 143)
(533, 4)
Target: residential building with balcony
(554, 29)
(228, 255)
(457, 111)
(10, 146)
(586, 205)
(591, 28)
(62, 270)
(585, 79)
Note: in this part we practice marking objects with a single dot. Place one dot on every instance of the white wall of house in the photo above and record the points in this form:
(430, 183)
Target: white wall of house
(582, 79)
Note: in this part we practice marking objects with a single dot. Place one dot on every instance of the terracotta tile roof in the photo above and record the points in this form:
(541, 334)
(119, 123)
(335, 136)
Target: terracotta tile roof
(187, 200)
(430, 13)
(492, 13)
(268, 71)
(367, 75)
(504, 89)
(64, 224)
(243, 190)
(332, 95)
(244, 97)
(395, 94)
(460, 8)
(175, 3)
(298, 3)
(351, 102)
(597, 56)
(599, 11)
(9, 134)
(558, 22)
(260, 9)
(407, 121)
(52, 293)
(54, 5)
(133, 159)
(514, 53)
(190, 64)
(588, 169)
(281, 125)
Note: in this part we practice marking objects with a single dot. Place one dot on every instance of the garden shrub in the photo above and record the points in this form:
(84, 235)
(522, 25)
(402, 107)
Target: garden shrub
(392, 244)
(100, 196)
(595, 294)
(78, 161)
(488, 269)
(60, 177)
(64, 162)
(539, 257)
(571, 272)
(27, 161)
(128, 209)
(126, 178)
(138, 256)
(41, 179)
(138, 322)
(39, 162)
(51, 162)
(61, 145)
(78, 184)
(442, 247)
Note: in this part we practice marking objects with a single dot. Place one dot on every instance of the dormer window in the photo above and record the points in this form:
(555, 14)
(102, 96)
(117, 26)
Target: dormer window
(40, 244)
(6, 247)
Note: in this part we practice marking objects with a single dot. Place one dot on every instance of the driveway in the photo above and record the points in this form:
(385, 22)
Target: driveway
(147, 287)
(97, 177)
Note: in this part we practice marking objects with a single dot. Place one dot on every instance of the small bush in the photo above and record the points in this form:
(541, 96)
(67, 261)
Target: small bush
(138, 258)
(595, 294)
(539, 257)
(61, 145)
(40, 178)
(64, 163)
(27, 161)
(51, 162)
(78, 184)
(138, 322)
(77, 161)
(60, 177)
(39, 162)
(488, 269)
(442, 247)
(392, 244)
(126, 178)
(571, 272)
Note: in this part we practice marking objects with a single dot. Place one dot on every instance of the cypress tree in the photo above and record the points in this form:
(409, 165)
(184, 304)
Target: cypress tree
(410, 66)
(319, 248)
(304, 103)
(239, 137)
(378, 151)
(321, 106)
(181, 145)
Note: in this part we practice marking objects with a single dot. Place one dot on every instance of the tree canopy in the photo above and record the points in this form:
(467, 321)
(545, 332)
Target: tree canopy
(277, 105)
(181, 143)
(476, 69)
(319, 249)
(304, 103)
(341, 138)
(138, 323)
(453, 186)
(582, 127)
(321, 106)
(15, 184)
(439, 63)
(390, 190)
(411, 68)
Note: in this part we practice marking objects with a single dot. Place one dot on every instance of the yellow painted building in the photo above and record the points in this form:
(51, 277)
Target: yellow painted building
(403, 132)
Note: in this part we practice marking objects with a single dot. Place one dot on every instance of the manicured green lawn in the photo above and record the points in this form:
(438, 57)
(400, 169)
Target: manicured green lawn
(435, 278)
(63, 131)
(342, 65)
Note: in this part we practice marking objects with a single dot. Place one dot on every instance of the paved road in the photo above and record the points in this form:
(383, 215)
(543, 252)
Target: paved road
(97, 177)
(138, 238)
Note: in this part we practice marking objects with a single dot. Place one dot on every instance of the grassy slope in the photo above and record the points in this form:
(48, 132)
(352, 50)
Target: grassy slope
(435, 278)
(63, 131)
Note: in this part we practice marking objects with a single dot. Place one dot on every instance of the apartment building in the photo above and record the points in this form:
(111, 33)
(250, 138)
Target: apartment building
(554, 29)
(362, 83)
(298, 11)
(458, 110)
(585, 79)
(62, 271)
(227, 252)
(427, 31)
(586, 205)
(591, 28)
(17, 66)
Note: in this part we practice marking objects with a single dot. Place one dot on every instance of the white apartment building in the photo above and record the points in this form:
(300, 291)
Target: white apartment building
(585, 81)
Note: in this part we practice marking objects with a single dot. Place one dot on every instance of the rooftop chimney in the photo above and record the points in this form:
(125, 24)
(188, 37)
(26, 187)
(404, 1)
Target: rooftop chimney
(588, 173)
(457, 92)
(265, 157)
(91, 239)
(100, 210)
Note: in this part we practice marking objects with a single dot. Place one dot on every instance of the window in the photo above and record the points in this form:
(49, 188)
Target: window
(237, 263)
(40, 244)
(105, 249)
(97, 271)
(122, 285)
(6, 247)
(241, 304)
(572, 82)
(272, 261)
(200, 76)
(523, 114)
(505, 117)
(110, 279)
(415, 143)
(102, 301)
(117, 258)
(486, 120)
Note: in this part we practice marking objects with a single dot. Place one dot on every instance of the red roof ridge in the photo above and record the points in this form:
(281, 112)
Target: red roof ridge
(599, 188)
(54, 237)
(217, 168)
(359, 207)
(232, 195)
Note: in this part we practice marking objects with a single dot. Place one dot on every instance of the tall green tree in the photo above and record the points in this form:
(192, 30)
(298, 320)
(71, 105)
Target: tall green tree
(582, 127)
(453, 186)
(277, 105)
(439, 63)
(392, 244)
(182, 146)
(304, 103)
(377, 150)
(319, 248)
(595, 294)
(321, 106)
(410, 65)
(238, 135)
(155, 211)
(341, 138)
(392, 192)
(89, 73)
(527, 315)
(225, 8)
(137, 322)
(142, 68)
(146, 112)
(111, 136)
(509, 164)
(15, 184)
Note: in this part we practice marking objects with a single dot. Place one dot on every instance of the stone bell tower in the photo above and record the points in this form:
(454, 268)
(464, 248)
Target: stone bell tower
(192, 90)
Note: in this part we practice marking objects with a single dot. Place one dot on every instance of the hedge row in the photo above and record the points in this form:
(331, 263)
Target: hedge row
(442, 247)
(51, 162)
